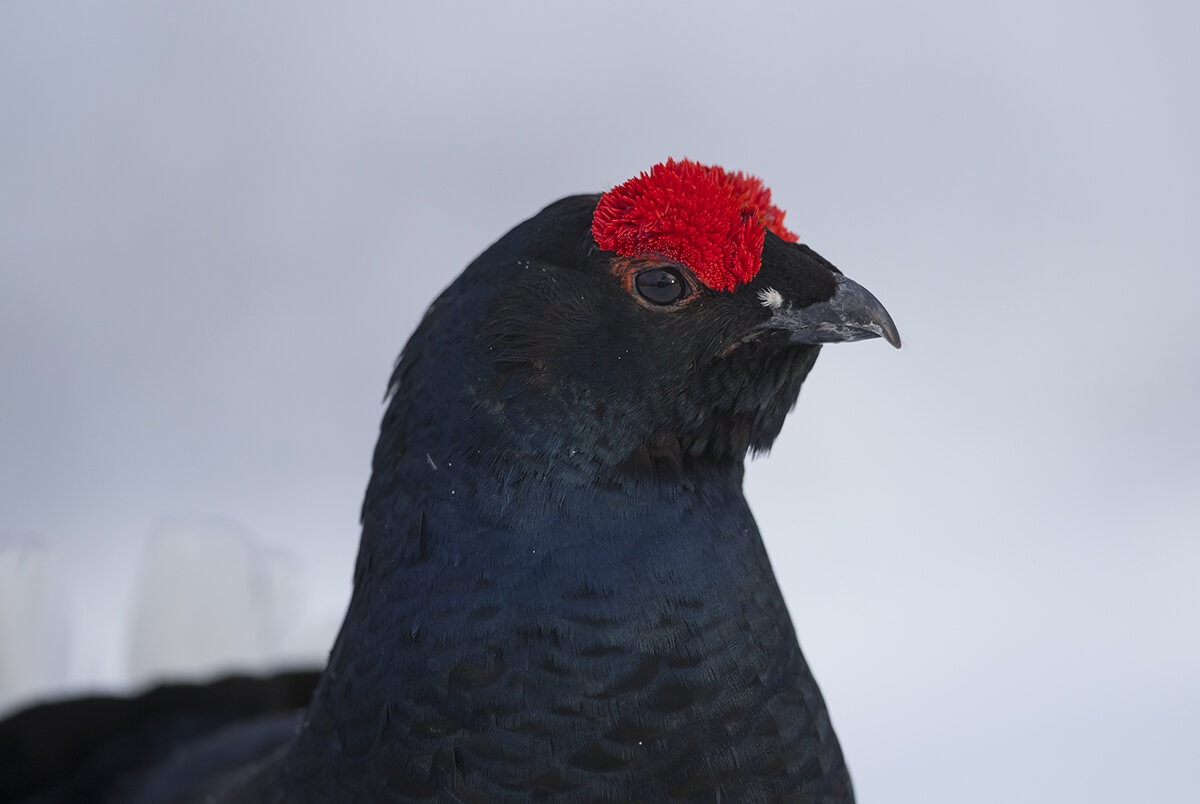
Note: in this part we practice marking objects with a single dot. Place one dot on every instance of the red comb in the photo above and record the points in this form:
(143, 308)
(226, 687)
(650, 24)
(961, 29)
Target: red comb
(704, 217)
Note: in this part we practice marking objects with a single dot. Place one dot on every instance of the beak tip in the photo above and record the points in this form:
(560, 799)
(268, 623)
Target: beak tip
(872, 310)
(890, 333)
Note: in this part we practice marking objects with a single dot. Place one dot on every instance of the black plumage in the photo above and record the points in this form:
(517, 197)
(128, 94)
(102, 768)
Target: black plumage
(560, 592)
(97, 748)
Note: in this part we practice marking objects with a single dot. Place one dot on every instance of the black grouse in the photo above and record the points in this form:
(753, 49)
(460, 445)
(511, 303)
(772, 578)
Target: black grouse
(560, 592)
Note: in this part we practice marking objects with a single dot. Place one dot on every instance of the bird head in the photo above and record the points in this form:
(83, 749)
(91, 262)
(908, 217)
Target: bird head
(661, 329)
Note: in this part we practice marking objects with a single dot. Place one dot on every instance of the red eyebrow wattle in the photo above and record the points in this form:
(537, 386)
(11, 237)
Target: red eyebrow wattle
(709, 219)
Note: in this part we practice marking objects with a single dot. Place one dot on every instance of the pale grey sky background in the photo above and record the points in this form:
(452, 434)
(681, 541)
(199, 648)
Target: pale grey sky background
(219, 222)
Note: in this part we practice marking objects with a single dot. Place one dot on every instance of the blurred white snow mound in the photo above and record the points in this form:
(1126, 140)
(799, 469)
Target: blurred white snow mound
(34, 641)
(207, 599)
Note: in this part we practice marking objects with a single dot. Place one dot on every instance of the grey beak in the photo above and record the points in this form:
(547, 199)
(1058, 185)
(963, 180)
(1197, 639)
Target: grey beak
(853, 314)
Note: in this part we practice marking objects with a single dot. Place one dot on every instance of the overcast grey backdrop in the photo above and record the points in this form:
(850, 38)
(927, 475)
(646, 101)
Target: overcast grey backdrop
(219, 222)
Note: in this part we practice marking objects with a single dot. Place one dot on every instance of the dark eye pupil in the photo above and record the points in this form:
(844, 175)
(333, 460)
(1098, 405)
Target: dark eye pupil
(660, 285)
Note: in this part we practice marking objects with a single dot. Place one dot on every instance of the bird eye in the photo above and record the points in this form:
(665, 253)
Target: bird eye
(660, 285)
